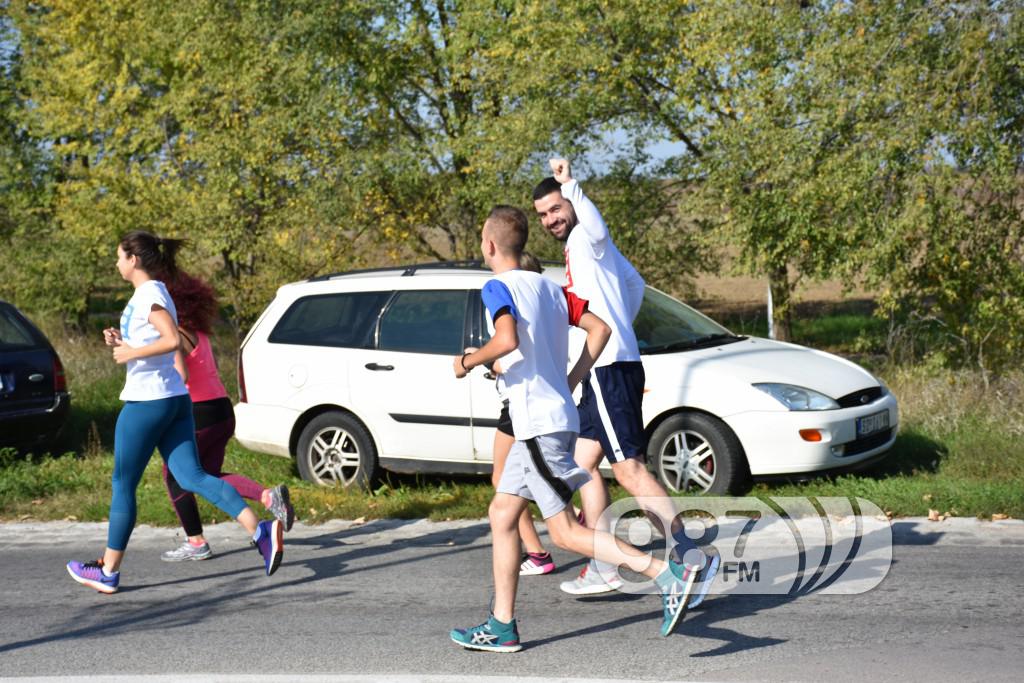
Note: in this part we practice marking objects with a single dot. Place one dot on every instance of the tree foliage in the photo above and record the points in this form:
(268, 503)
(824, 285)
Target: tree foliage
(877, 141)
(287, 139)
(952, 257)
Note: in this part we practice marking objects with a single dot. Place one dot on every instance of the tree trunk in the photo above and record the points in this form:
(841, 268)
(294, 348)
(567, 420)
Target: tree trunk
(782, 290)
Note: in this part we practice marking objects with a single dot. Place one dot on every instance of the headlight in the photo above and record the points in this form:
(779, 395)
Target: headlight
(797, 398)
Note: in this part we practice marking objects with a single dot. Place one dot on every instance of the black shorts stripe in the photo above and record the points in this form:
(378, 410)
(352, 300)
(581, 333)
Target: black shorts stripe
(560, 488)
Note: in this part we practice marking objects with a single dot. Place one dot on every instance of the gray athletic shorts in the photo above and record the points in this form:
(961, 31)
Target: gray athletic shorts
(541, 469)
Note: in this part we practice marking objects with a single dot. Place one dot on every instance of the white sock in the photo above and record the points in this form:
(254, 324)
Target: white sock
(107, 573)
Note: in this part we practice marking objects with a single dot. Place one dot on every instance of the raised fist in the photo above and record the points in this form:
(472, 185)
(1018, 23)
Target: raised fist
(560, 170)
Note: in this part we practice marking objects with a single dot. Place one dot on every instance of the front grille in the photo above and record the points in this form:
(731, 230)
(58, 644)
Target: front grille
(867, 443)
(860, 398)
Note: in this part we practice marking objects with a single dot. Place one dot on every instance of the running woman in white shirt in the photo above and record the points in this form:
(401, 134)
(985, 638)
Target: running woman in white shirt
(157, 414)
(611, 418)
(530, 314)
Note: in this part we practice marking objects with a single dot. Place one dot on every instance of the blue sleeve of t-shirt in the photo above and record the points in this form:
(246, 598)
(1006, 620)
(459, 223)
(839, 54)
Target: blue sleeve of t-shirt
(498, 299)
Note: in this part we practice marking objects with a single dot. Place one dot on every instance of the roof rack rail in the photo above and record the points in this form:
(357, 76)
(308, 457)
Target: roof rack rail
(476, 264)
(406, 269)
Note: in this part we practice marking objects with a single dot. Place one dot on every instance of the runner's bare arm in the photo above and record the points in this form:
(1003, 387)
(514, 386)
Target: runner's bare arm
(168, 342)
(598, 334)
(505, 340)
(179, 364)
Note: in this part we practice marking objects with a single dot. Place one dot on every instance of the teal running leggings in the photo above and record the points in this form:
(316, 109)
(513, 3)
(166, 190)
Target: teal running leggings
(165, 424)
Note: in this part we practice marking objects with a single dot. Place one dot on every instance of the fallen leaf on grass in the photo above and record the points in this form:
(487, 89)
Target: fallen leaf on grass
(24, 517)
(999, 516)
(359, 520)
(926, 497)
(37, 501)
(934, 516)
(71, 518)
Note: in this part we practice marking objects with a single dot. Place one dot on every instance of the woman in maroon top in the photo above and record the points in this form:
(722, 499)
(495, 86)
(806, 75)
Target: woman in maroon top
(214, 418)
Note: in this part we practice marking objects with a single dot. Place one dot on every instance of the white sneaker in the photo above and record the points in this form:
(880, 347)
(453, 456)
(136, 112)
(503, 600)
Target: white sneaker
(590, 582)
(187, 551)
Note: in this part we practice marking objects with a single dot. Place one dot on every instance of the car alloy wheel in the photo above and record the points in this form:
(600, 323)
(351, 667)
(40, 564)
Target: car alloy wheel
(335, 449)
(334, 456)
(693, 452)
(688, 462)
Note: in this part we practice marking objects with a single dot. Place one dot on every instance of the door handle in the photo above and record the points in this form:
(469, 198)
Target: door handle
(375, 366)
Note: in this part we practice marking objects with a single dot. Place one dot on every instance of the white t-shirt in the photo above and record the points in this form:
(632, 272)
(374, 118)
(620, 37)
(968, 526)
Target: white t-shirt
(536, 384)
(597, 271)
(151, 378)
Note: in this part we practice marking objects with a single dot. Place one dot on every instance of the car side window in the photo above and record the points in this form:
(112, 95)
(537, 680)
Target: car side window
(13, 334)
(425, 321)
(344, 320)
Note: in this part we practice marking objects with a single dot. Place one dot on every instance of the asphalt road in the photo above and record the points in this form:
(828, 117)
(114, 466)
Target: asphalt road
(376, 601)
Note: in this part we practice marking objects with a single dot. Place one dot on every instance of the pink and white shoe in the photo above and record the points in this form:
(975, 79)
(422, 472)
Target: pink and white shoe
(535, 564)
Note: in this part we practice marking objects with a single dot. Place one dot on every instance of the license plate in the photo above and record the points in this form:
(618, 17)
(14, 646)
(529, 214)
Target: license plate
(869, 424)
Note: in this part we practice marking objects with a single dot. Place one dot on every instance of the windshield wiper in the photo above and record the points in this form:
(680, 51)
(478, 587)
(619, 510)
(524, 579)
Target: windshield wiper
(695, 343)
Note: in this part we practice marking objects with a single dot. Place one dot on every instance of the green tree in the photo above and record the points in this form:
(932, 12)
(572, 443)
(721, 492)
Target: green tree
(832, 139)
(203, 120)
(952, 259)
(781, 110)
(451, 122)
(26, 183)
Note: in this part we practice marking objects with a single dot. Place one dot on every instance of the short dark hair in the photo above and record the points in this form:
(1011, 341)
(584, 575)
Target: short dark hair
(546, 187)
(156, 254)
(509, 229)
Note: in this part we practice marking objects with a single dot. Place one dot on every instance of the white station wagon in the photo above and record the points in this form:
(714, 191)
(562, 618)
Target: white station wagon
(352, 373)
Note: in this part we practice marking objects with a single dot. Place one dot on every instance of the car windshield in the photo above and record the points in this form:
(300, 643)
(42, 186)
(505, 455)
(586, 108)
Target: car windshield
(664, 325)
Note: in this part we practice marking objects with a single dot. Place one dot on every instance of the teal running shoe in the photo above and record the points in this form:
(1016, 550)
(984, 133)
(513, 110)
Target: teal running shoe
(675, 595)
(490, 636)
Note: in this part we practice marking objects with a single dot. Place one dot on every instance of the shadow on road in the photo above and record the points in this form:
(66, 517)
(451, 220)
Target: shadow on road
(123, 612)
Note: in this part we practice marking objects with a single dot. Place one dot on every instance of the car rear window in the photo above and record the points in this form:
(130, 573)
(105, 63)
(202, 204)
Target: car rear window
(15, 335)
(425, 322)
(344, 320)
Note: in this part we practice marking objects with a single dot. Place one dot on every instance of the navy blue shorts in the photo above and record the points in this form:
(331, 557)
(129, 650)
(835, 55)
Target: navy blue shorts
(611, 412)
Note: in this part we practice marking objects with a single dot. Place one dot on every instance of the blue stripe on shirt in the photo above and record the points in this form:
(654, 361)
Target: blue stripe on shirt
(497, 297)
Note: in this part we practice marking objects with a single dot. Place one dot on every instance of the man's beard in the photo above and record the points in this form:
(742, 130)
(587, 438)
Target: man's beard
(565, 235)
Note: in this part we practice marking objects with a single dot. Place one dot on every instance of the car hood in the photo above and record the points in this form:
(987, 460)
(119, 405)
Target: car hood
(755, 360)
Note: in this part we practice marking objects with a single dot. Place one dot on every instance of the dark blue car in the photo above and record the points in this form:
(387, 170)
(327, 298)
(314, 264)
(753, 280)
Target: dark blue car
(34, 398)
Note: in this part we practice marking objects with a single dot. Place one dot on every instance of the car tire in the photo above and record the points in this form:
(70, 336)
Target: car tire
(717, 465)
(335, 449)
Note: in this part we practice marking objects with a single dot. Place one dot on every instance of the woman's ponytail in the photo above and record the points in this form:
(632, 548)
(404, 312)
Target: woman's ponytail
(157, 255)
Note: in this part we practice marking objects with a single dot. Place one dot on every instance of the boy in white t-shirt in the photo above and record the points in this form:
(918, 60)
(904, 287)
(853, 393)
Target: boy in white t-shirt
(531, 315)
